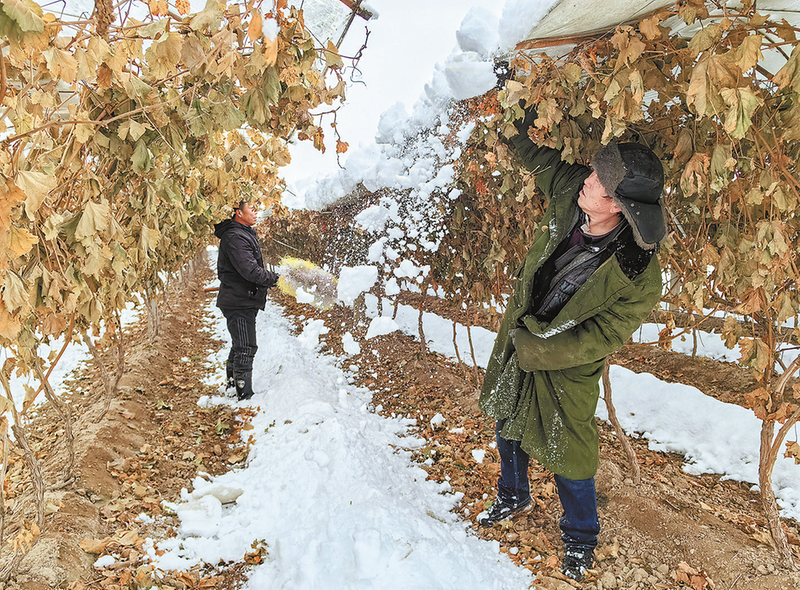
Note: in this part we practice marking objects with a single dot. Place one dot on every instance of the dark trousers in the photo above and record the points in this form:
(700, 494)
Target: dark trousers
(242, 328)
(579, 523)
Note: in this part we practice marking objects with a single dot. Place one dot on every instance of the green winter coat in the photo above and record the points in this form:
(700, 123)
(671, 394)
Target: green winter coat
(548, 387)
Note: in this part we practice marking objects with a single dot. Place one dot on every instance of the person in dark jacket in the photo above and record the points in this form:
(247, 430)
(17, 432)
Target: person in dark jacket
(588, 281)
(242, 292)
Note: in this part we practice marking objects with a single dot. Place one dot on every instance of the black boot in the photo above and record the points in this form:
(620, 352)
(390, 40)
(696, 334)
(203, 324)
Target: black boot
(503, 510)
(230, 383)
(578, 559)
(244, 385)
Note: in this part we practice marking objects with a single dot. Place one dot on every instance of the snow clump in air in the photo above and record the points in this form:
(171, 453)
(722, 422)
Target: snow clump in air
(355, 280)
(350, 345)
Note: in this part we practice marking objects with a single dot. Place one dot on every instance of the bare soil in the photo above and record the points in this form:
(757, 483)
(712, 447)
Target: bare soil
(674, 530)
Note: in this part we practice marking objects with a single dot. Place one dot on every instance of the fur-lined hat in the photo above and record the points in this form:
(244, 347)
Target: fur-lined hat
(634, 178)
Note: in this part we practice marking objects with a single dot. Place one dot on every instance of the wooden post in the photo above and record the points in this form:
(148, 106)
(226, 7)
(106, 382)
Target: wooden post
(612, 416)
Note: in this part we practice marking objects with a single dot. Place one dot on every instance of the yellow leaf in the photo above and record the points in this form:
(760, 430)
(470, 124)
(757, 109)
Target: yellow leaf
(122, 131)
(9, 326)
(14, 293)
(749, 52)
(754, 197)
(254, 29)
(742, 104)
(164, 55)
(632, 51)
(793, 451)
(93, 219)
(20, 242)
(332, 58)
(36, 187)
(88, 59)
(28, 15)
(136, 130)
(514, 91)
(83, 133)
(697, 94)
(192, 52)
(572, 72)
(30, 396)
(789, 74)
(95, 260)
(62, 65)
(705, 39)
(270, 51)
(94, 545)
(649, 28)
(150, 238)
(128, 537)
(10, 196)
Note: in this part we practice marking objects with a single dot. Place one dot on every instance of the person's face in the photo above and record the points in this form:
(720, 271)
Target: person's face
(594, 200)
(246, 215)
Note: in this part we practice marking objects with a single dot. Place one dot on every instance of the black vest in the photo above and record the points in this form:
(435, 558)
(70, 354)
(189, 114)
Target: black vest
(568, 267)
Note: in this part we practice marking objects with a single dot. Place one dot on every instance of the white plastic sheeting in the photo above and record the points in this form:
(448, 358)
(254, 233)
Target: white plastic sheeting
(575, 17)
(570, 18)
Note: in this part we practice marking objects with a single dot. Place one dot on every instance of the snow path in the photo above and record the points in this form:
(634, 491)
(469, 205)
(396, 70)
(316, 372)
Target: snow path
(331, 489)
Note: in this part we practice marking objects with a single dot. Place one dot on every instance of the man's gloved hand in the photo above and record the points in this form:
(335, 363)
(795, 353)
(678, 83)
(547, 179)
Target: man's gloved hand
(273, 280)
(503, 71)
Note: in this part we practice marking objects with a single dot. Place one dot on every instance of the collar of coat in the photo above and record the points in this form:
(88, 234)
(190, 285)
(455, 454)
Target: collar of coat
(632, 258)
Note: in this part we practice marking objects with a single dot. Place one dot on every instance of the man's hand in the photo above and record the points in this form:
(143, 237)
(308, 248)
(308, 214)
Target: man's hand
(503, 71)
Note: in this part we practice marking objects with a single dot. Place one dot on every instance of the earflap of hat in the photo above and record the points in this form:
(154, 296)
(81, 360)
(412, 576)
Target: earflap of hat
(610, 168)
(648, 221)
(644, 177)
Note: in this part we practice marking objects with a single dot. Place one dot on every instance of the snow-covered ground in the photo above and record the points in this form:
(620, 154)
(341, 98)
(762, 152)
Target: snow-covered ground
(715, 437)
(331, 489)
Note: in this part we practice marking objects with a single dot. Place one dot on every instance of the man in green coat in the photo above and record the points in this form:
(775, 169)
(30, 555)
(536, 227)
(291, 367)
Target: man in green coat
(588, 281)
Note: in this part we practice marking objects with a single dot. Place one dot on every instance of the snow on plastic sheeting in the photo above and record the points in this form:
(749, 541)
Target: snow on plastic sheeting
(478, 32)
(519, 18)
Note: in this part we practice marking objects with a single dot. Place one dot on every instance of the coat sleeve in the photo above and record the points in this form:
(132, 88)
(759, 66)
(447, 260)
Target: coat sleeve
(590, 341)
(242, 259)
(553, 176)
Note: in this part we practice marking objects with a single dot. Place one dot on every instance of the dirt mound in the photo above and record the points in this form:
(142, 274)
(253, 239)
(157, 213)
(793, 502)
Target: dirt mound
(152, 441)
